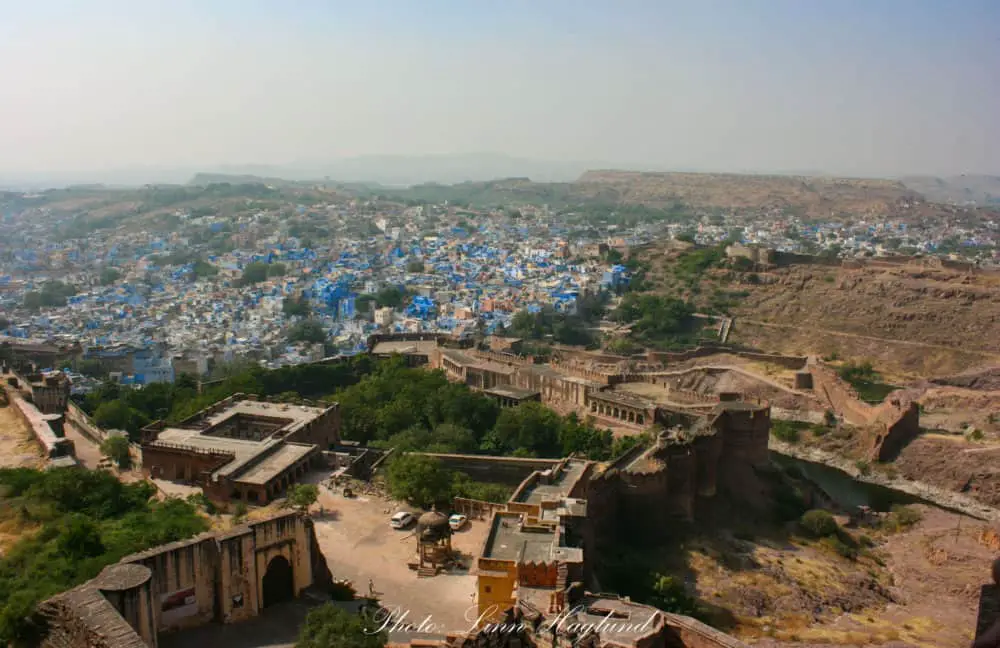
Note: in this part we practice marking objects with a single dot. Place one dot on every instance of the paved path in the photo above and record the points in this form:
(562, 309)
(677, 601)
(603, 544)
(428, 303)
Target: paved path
(88, 452)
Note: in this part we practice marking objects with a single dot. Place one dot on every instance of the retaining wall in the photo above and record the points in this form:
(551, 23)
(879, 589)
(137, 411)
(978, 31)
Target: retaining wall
(509, 471)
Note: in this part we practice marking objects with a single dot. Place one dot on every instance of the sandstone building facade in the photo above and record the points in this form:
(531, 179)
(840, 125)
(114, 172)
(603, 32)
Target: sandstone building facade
(241, 448)
(549, 534)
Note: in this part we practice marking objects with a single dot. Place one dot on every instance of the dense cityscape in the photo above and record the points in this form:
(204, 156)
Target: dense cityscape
(456, 324)
(282, 276)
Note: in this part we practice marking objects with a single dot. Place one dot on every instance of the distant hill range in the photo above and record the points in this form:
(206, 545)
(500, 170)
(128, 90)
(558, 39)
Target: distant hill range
(816, 197)
(813, 197)
(979, 189)
(404, 171)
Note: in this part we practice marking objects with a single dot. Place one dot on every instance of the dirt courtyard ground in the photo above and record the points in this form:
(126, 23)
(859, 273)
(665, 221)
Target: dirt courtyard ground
(359, 545)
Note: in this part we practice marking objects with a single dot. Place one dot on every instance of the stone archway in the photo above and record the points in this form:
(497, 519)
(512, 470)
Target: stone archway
(278, 583)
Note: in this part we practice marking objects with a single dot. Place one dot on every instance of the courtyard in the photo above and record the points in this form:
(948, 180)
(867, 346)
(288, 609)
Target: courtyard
(359, 545)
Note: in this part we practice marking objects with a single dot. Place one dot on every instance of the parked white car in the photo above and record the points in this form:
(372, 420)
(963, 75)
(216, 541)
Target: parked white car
(457, 521)
(401, 520)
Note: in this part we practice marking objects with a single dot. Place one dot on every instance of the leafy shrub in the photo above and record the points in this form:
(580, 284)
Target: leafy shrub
(839, 547)
(89, 520)
(901, 518)
(784, 431)
(818, 523)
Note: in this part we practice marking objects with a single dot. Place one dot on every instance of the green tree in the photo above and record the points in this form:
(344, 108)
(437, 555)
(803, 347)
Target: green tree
(80, 538)
(391, 297)
(89, 519)
(307, 331)
(531, 427)
(254, 273)
(92, 368)
(669, 595)
(420, 480)
(328, 626)
(291, 306)
(276, 270)
(202, 269)
(302, 496)
(117, 415)
(109, 276)
(116, 448)
(415, 266)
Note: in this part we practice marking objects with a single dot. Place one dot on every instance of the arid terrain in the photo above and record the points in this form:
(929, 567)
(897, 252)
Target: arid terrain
(816, 197)
(913, 320)
(921, 589)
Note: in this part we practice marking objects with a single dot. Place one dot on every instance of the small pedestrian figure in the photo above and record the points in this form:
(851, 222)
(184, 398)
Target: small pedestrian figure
(371, 587)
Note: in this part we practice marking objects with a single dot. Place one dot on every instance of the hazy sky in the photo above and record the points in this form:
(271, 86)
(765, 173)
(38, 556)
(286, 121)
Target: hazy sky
(863, 87)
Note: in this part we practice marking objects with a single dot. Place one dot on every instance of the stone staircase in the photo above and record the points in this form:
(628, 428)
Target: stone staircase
(427, 572)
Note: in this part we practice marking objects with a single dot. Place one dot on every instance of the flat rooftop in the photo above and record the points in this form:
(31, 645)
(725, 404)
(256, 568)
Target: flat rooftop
(510, 391)
(508, 542)
(471, 362)
(622, 398)
(549, 372)
(405, 347)
(628, 621)
(242, 449)
(280, 453)
(268, 468)
(299, 415)
(559, 489)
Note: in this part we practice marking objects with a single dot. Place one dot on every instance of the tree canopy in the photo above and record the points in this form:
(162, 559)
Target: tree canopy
(109, 276)
(296, 306)
(302, 496)
(420, 480)
(329, 625)
(656, 319)
(116, 448)
(87, 519)
(382, 402)
(53, 293)
(391, 297)
(307, 331)
(257, 272)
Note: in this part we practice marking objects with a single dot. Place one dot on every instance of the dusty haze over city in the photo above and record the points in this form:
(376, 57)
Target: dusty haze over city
(134, 92)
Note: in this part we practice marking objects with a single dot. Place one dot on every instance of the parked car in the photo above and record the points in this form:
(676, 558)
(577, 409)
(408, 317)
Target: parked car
(457, 521)
(401, 520)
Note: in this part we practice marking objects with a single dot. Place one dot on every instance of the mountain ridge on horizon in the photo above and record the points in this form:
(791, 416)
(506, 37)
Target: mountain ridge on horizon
(410, 170)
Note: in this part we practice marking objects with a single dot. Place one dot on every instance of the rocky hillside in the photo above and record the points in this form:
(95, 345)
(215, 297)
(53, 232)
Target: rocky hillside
(913, 320)
(981, 189)
(817, 197)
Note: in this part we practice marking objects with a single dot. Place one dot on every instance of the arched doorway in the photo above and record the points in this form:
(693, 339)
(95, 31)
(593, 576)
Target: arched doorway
(278, 583)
